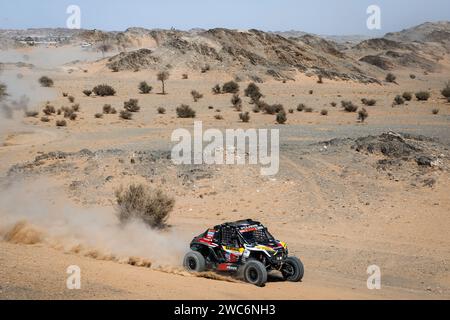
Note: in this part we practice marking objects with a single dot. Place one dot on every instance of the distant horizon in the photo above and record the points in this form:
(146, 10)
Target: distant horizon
(322, 17)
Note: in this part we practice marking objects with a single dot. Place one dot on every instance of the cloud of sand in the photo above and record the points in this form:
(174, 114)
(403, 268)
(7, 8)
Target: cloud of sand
(28, 215)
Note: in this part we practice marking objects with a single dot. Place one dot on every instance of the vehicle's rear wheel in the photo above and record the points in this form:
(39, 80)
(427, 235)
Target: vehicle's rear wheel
(255, 273)
(194, 261)
(292, 269)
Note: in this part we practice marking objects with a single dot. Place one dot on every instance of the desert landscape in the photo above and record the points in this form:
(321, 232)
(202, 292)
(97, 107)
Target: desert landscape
(364, 173)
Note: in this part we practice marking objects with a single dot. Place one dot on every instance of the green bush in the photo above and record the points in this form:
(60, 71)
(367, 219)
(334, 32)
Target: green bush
(349, 106)
(104, 90)
(253, 92)
(144, 88)
(422, 95)
(230, 87)
(132, 105)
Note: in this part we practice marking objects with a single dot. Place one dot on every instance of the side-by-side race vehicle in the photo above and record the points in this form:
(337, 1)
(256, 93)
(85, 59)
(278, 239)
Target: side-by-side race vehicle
(245, 247)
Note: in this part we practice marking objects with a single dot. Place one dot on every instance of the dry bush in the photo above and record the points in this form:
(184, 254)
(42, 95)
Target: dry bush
(61, 123)
(185, 76)
(46, 81)
(362, 115)
(291, 110)
(31, 114)
(301, 107)
(65, 94)
(210, 107)
(185, 111)
(206, 68)
(87, 93)
(390, 77)
(435, 111)
(107, 109)
(49, 110)
(422, 95)
(144, 88)
(253, 92)
(218, 117)
(76, 107)
(161, 110)
(369, 102)
(309, 109)
(281, 117)
(216, 89)
(104, 90)
(152, 206)
(324, 112)
(244, 116)
(125, 115)
(333, 104)
(230, 87)
(349, 106)
(311, 91)
(131, 105)
(256, 109)
(398, 100)
(407, 96)
(71, 99)
(196, 95)
(99, 115)
(236, 101)
(446, 91)
(73, 117)
(412, 76)
(45, 119)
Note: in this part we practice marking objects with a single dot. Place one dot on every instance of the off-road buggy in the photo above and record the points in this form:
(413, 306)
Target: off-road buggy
(243, 247)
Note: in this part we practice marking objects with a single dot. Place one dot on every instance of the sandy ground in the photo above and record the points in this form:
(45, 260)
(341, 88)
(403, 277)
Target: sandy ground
(337, 212)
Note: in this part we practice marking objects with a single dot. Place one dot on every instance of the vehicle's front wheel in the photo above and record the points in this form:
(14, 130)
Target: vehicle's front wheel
(194, 262)
(292, 269)
(255, 273)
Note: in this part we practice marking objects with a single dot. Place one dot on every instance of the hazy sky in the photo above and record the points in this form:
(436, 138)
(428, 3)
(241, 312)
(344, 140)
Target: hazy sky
(334, 17)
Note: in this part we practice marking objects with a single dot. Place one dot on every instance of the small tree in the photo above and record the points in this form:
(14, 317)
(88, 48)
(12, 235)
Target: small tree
(163, 76)
(144, 88)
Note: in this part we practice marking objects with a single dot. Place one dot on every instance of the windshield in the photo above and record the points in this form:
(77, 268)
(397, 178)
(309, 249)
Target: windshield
(257, 236)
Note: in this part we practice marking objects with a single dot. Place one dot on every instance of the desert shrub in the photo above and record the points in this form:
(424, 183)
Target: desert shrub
(301, 107)
(125, 115)
(324, 112)
(58, 112)
(216, 89)
(230, 87)
(422, 95)
(185, 76)
(210, 107)
(236, 101)
(446, 91)
(107, 109)
(390, 77)
(273, 109)
(281, 117)
(45, 119)
(218, 117)
(161, 110)
(185, 111)
(67, 112)
(253, 92)
(76, 107)
(98, 115)
(435, 111)
(87, 93)
(151, 206)
(144, 88)
(61, 123)
(369, 102)
(256, 109)
(49, 110)
(71, 99)
(31, 114)
(3, 92)
(448, 99)
(65, 94)
(320, 80)
(206, 68)
(73, 116)
(244, 116)
(333, 104)
(196, 95)
(291, 110)
(104, 90)
(309, 109)
(131, 105)
(46, 81)
(412, 76)
(407, 96)
(362, 115)
(349, 106)
(163, 76)
(399, 100)
(311, 91)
